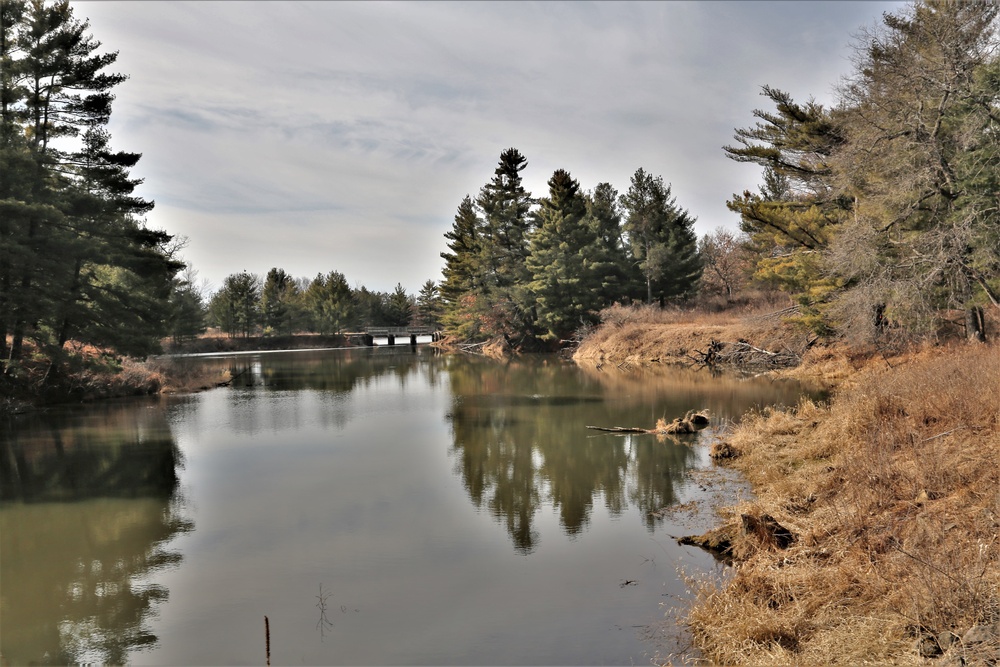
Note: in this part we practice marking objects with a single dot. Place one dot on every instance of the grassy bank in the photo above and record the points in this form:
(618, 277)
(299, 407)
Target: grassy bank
(637, 336)
(891, 494)
(874, 533)
(83, 373)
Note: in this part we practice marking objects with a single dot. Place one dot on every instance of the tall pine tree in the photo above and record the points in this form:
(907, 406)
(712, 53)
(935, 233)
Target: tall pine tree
(76, 260)
(565, 249)
(793, 218)
(662, 238)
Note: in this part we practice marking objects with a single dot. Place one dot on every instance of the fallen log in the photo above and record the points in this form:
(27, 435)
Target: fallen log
(689, 423)
(621, 429)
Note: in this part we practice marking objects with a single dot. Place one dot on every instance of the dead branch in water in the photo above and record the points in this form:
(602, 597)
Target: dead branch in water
(621, 429)
(689, 423)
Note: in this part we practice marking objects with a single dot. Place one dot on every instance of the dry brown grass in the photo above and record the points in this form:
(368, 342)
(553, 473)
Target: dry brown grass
(893, 492)
(641, 334)
(175, 376)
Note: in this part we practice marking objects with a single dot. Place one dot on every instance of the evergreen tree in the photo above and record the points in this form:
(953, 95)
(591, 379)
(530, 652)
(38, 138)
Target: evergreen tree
(371, 307)
(662, 238)
(792, 220)
(330, 303)
(76, 260)
(485, 276)
(429, 305)
(187, 308)
(503, 306)
(505, 205)
(565, 284)
(279, 303)
(921, 162)
(618, 275)
(400, 308)
(462, 269)
(235, 308)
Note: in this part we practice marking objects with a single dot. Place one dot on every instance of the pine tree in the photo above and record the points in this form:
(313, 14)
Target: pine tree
(618, 275)
(235, 308)
(429, 305)
(505, 205)
(76, 260)
(400, 307)
(330, 303)
(278, 302)
(503, 306)
(564, 284)
(462, 270)
(798, 210)
(187, 308)
(662, 238)
(922, 164)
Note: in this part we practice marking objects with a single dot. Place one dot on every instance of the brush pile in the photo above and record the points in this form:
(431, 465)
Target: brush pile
(742, 354)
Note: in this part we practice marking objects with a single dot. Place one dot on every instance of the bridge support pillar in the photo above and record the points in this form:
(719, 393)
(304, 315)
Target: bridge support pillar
(392, 339)
(413, 339)
(369, 340)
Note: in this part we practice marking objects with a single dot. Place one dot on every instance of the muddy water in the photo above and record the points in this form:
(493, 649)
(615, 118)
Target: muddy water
(379, 506)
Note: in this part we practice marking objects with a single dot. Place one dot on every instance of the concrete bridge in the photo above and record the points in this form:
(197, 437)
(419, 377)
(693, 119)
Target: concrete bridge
(392, 333)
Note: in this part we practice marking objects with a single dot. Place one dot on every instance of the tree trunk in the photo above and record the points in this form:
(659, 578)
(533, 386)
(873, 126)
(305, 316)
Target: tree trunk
(878, 319)
(975, 324)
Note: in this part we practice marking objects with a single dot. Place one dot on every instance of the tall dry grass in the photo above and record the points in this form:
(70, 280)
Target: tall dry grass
(707, 310)
(639, 334)
(893, 492)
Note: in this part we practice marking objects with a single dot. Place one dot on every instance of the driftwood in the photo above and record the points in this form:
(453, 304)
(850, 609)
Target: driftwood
(763, 530)
(622, 429)
(718, 542)
(689, 423)
(744, 355)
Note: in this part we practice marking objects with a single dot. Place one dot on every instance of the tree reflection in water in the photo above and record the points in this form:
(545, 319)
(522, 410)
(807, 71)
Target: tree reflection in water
(514, 451)
(89, 504)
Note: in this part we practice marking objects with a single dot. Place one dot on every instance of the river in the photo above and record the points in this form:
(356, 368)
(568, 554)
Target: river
(378, 505)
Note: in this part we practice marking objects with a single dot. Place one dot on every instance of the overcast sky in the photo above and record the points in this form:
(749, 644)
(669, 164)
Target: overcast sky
(318, 136)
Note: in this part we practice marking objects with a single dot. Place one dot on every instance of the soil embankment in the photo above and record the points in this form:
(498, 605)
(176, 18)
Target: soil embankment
(760, 343)
(874, 534)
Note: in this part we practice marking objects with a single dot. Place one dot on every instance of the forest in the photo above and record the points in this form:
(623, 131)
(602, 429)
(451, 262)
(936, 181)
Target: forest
(880, 215)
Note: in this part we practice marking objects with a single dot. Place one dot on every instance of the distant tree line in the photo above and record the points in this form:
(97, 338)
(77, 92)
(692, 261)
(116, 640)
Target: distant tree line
(539, 269)
(246, 305)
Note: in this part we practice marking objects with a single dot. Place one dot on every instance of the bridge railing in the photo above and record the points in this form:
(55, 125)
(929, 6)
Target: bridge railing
(399, 331)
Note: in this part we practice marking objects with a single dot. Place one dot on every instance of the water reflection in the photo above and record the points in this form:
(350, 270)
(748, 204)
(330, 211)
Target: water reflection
(406, 485)
(519, 443)
(340, 371)
(89, 503)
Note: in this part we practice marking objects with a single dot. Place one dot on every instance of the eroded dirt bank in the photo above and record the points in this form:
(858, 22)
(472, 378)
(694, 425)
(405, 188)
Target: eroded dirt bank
(630, 342)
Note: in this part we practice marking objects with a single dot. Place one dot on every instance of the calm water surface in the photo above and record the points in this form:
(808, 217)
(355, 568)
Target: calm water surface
(380, 506)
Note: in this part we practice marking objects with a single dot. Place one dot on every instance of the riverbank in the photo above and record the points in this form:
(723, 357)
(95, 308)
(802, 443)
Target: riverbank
(874, 533)
(755, 341)
(86, 374)
(83, 373)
